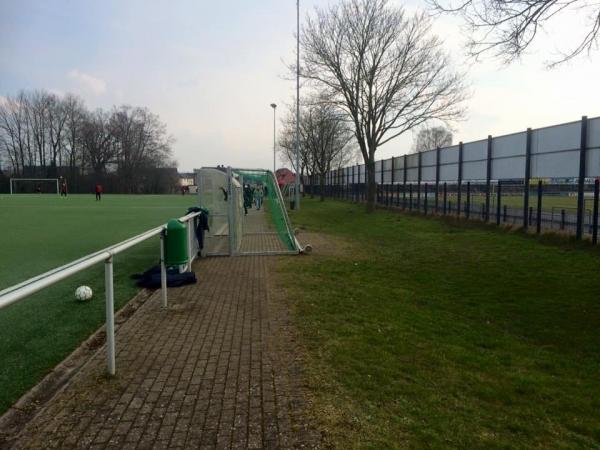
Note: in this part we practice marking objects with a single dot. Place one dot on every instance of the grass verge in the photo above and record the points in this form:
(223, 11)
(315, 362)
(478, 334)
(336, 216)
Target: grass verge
(426, 333)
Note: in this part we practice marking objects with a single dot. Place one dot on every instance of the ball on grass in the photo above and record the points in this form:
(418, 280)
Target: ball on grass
(83, 293)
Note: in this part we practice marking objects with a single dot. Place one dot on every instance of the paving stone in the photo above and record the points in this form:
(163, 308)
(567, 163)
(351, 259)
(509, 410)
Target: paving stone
(216, 369)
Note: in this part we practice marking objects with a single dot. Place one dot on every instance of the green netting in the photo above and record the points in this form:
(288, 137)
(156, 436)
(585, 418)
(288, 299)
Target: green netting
(275, 206)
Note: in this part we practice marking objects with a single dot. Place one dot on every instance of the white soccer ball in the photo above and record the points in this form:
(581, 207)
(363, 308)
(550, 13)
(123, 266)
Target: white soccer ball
(83, 293)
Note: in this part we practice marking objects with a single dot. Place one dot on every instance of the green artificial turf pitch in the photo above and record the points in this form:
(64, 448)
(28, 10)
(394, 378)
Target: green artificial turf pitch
(41, 232)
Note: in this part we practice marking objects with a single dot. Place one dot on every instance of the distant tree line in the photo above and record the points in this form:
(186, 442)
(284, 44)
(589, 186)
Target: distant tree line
(44, 135)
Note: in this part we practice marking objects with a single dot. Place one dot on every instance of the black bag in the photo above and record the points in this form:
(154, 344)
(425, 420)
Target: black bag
(151, 278)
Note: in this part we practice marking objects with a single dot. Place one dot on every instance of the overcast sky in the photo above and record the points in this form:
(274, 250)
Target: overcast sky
(211, 69)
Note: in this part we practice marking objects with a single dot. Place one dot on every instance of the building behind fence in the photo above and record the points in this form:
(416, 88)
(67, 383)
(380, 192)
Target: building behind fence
(512, 179)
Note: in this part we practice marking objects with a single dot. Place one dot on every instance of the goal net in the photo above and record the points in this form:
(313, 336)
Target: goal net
(34, 186)
(241, 224)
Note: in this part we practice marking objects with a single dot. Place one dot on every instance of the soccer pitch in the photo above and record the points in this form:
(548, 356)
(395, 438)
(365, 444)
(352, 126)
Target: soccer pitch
(41, 232)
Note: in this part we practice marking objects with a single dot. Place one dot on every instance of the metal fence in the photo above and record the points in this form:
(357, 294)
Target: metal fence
(540, 177)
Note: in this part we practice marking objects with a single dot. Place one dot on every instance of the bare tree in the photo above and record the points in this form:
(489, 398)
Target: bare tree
(287, 144)
(37, 105)
(506, 29)
(14, 133)
(141, 140)
(384, 69)
(97, 141)
(75, 116)
(325, 139)
(57, 118)
(430, 138)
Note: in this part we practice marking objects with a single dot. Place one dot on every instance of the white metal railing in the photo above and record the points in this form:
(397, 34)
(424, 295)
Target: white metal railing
(35, 284)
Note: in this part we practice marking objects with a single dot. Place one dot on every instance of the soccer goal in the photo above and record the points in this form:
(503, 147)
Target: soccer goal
(34, 186)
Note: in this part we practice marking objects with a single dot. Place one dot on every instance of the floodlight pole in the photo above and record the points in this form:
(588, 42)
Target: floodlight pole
(274, 106)
(297, 183)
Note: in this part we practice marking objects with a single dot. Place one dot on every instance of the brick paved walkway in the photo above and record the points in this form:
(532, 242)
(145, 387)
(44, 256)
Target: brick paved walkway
(260, 235)
(215, 370)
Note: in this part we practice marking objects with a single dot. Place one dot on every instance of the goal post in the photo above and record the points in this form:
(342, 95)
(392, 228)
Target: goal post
(50, 185)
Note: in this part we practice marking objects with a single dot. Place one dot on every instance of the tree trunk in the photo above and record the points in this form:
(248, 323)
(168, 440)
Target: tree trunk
(371, 186)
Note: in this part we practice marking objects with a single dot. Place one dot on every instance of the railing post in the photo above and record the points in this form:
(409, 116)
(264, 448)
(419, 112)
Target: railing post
(425, 200)
(189, 233)
(110, 315)
(581, 180)
(163, 271)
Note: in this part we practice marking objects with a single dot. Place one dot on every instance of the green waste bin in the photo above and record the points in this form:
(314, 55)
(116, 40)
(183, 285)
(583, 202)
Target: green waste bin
(176, 245)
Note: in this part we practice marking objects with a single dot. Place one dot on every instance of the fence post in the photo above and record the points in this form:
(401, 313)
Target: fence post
(530, 214)
(420, 154)
(397, 195)
(404, 178)
(381, 171)
(163, 270)
(488, 178)
(498, 201)
(410, 199)
(562, 219)
(468, 203)
(539, 208)
(387, 195)
(353, 189)
(581, 181)
(437, 179)
(393, 170)
(505, 209)
(459, 195)
(445, 196)
(425, 200)
(595, 218)
(110, 315)
(527, 179)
